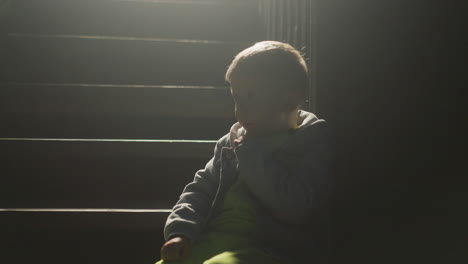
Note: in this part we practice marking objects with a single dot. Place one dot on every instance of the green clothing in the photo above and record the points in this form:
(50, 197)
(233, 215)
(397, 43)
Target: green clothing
(237, 215)
(228, 236)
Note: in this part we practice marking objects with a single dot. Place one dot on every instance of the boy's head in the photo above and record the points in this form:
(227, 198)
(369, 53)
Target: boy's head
(268, 84)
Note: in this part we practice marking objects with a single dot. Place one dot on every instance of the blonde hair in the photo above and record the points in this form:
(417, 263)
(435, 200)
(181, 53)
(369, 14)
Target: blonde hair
(280, 66)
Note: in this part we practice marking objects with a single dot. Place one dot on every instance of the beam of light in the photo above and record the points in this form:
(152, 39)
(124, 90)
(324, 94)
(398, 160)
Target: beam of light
(113, 140)
(80, 210)
(100, 37)
(184, 2)
(121, 85)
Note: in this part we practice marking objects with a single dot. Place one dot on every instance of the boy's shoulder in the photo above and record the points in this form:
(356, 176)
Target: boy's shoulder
(224, 141)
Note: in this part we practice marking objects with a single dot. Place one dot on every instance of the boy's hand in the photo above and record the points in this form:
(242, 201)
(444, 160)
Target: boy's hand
(177, 248)
(238, 141)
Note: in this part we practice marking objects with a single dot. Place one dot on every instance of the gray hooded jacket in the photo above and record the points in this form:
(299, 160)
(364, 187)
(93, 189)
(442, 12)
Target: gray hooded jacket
(291, 186)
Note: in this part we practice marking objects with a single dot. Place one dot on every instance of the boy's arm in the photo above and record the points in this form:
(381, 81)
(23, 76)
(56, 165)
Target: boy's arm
(290, 190)
(190, 212)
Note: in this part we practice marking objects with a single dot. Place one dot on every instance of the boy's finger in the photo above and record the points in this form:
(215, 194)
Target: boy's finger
(185, 252)
(174, 253)
(181, 252)
(163, 253)
(168, 254)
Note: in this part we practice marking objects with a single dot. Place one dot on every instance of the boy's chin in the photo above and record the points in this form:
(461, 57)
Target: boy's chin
(265, 131)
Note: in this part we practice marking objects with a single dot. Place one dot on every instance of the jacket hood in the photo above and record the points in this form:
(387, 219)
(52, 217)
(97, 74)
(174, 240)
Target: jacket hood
(305, 121)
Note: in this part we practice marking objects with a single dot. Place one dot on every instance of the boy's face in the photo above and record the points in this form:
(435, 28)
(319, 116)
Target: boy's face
(256, 107)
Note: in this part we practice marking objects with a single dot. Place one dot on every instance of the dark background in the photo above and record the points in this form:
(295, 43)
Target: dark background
(388, 72)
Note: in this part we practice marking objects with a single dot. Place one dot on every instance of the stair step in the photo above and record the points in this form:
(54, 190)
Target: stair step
(99, 173)
(209, 20)
(82, 236)
(85, 218)
(114, 111)
(56, 125)
(109, 60)
(116, 100)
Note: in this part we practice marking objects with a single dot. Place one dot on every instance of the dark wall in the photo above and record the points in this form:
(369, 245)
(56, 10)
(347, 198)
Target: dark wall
(386, 75)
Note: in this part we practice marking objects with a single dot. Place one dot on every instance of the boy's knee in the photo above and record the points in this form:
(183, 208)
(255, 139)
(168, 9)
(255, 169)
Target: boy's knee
(167, 262)
(226, 257)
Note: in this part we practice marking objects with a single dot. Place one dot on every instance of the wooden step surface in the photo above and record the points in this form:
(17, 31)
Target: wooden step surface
(81, 236)
(175, 19)
(45, 125)
(114, 111)
(83, 218)
(84, 173)
(114, 60)
(116, 100)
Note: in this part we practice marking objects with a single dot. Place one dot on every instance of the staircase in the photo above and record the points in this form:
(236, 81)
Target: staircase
(107, 110)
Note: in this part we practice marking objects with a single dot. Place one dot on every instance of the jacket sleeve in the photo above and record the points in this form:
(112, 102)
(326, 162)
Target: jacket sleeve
(293, 186)
(192, 208)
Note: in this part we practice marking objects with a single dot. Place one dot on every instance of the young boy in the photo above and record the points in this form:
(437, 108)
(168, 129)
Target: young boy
(262, 197)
